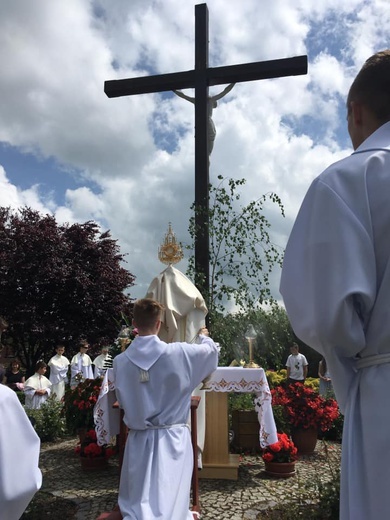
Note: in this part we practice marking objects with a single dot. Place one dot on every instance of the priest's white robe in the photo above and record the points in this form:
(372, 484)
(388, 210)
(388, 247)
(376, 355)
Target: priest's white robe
(33, 383)
(157, 467)
(58, 375)
(80, 363)
(20, 476)
(98, 363)
(336, 287)
(184, 316)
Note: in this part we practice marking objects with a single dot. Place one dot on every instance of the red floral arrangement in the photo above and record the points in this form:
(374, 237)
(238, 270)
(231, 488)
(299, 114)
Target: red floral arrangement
(304, 407)
(89, 447)
(79, 403)
(282, 451)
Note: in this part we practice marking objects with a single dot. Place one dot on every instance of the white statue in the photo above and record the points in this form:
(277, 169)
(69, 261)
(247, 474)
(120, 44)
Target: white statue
(212, 103)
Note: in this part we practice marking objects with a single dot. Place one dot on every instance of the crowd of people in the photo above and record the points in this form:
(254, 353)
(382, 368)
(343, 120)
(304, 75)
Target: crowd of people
(38, 387)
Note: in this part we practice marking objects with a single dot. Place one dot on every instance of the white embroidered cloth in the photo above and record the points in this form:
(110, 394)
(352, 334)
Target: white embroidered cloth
(248, 380)
(224, 379)
(107, 418)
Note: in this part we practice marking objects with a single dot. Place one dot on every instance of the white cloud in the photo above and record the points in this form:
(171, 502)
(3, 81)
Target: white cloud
(133, 158)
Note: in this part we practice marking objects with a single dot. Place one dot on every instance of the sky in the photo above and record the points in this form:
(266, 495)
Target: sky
(128, 163)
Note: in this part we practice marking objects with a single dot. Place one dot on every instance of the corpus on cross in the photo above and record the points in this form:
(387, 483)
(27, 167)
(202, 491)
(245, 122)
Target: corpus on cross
(200, 79)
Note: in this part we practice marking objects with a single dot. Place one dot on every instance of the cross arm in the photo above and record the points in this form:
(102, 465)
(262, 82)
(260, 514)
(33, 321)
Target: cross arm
(148, 84)
(214, 76)
(257, 70)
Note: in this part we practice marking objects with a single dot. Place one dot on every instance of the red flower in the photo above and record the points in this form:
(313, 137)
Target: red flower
(268, 457)
(110, 452)
(304, 407)
(92, 450)
(282, 451)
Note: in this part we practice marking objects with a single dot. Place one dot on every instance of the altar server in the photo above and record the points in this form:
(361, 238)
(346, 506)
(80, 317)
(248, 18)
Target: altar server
(100, 362)
(154, 381)
(20, 478)
(81, 366)
(37, 387)
(59, 365)
(336, 288)
(184, 315)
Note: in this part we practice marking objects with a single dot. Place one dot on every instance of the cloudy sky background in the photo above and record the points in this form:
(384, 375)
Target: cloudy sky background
(128, 163)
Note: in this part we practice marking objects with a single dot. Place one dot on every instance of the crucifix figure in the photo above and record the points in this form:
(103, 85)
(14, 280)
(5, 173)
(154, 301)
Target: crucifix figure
(201, 78)
(212, 102)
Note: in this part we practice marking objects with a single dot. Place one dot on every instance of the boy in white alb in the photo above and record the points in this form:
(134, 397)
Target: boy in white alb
(296, 366)
(59, 372)
(153, 383)
(100, 361)
(81, 366)
(20, 476)
(37, 387)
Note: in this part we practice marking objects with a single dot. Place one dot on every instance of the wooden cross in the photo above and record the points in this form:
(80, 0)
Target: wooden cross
(201, 78)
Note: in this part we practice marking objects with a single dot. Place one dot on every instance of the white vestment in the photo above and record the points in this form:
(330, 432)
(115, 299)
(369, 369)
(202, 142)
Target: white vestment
(154, 381)
(33, 383)
(336, 288)
(80, 363)
(20, 476)
(99, 363)
(184, 316)
(58, 375)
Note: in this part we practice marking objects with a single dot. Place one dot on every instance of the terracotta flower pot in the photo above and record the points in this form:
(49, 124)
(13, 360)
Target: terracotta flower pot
(305, 439)
(280, 469)
(93, 464)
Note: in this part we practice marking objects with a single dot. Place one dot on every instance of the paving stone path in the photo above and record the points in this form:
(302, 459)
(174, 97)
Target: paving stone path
(95, 492)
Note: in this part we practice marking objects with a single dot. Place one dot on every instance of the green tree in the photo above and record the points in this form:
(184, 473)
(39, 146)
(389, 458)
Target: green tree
(58, 282)
(271, 346)
(241, 252)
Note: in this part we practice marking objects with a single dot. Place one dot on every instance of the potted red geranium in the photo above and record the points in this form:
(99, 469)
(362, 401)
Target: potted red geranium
(79, 403)
(307, 412)
(280, 457)
(93, 456)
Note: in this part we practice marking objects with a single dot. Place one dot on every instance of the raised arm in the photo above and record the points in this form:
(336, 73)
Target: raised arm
(223, 93)
(180, 94)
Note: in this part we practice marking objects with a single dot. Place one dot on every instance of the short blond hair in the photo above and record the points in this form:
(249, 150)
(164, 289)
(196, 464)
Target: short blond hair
(147, 312)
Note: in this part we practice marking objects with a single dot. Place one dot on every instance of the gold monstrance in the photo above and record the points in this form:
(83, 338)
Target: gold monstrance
(250, 335)
(170, 252)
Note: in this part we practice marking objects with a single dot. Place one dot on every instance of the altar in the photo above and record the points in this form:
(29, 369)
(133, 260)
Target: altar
(218, 463)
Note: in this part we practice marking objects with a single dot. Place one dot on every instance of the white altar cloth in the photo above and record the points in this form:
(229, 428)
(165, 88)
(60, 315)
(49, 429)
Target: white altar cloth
(248, 380)
(224, 379)
(107, 418)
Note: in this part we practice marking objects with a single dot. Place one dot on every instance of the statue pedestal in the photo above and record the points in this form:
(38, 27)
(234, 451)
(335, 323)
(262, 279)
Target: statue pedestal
(218, 463)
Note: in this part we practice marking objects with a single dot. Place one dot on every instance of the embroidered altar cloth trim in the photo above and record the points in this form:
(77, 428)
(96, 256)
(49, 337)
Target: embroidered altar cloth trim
(237, 379)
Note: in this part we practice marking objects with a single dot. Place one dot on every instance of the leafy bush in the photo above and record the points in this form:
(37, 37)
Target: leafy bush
(276, 378)
(313, 383)
(335, 433)
(281, 422)
(48, 421)
(21, 397)
(241, 401)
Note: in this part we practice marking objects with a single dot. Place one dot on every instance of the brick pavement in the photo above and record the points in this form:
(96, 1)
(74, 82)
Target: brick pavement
(95, 492)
